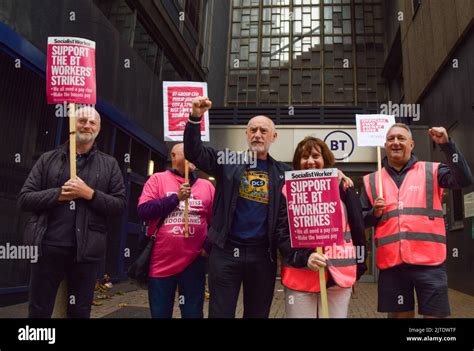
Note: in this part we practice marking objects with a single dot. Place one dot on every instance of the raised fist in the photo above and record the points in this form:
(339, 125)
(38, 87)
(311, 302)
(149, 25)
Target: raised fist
(439, 135)
(201, 105)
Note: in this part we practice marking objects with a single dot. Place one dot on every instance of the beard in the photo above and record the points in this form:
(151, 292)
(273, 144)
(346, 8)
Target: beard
(85, 138)
(259, 148)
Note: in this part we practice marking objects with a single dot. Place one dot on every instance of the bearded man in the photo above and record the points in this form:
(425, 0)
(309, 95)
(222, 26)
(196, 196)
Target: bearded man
(69, 221)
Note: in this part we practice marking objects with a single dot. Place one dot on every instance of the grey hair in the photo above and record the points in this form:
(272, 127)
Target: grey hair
(401, 125)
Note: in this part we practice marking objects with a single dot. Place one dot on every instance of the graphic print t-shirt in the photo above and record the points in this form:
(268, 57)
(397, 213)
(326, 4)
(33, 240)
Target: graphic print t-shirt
(249, 226)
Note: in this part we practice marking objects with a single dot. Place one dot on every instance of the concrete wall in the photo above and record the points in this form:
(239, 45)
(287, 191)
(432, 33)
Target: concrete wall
(428, 38)
(450, 103)
(391, 23)
(218, 51)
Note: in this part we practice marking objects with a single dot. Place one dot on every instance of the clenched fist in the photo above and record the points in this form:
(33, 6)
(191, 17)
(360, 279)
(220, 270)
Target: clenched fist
(439, 135)
(201, 105)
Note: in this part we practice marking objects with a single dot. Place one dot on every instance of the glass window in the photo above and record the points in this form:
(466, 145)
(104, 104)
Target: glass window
(267, 28)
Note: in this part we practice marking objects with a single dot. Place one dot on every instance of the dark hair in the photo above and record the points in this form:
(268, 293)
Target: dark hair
(306, 146)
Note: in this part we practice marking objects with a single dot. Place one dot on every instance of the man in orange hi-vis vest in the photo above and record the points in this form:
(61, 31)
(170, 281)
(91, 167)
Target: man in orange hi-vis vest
(407, 215)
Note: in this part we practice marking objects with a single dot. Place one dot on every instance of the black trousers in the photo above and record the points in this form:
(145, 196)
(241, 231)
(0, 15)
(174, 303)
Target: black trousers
(233, 266)
(55, 264)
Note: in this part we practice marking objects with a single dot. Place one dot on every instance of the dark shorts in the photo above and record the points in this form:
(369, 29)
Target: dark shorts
(397, 284)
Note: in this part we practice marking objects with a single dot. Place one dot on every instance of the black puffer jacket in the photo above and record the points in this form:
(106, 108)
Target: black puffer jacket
(41, 190)
(228, 178)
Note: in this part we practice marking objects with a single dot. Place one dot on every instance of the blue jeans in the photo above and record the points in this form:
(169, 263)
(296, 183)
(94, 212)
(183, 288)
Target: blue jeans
(190, 282)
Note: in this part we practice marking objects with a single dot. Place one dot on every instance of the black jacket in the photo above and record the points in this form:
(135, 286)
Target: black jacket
(228, 178)
(41, 190)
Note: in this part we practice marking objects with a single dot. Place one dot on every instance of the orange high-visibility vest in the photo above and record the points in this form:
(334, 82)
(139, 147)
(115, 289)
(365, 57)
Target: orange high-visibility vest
(411, 229)
(341, 264)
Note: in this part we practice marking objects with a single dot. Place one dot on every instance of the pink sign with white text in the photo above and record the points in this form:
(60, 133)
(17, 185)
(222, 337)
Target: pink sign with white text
(70, 71)
(314, 208)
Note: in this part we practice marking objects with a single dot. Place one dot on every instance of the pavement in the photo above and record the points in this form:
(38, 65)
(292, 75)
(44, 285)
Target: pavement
(126, 300)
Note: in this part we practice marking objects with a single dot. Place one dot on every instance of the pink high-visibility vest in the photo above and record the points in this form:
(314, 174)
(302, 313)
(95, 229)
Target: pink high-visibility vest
(411, 229)
(341, 264)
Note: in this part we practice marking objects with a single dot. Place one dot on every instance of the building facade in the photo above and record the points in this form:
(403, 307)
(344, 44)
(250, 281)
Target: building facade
(311, 65)
(430, 63)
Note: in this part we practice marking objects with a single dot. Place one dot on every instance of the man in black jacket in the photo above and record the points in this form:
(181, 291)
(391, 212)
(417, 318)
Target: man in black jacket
(249, 218)
(69, 222)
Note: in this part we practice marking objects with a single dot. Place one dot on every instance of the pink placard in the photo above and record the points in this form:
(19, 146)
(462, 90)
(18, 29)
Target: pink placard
(70, 71)
(314, 208)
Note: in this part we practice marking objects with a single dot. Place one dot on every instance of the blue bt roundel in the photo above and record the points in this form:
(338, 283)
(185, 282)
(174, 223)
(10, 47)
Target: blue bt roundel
(257, 183)
(340, 143)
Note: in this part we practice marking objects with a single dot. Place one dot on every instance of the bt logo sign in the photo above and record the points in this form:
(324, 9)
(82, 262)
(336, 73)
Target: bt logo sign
(341, 144)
